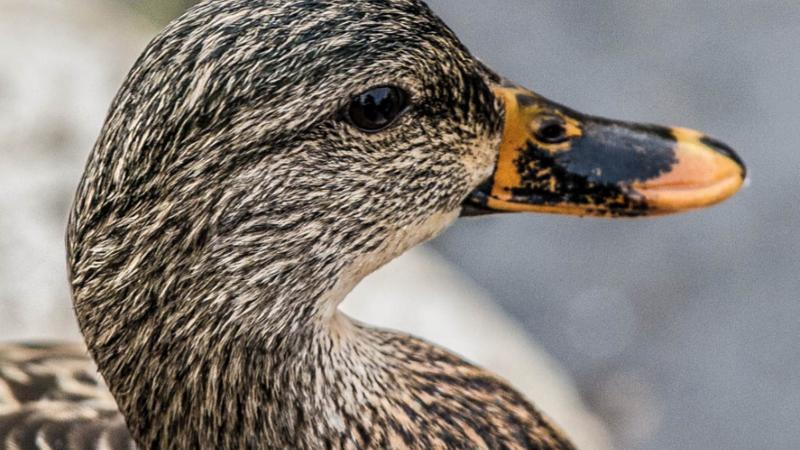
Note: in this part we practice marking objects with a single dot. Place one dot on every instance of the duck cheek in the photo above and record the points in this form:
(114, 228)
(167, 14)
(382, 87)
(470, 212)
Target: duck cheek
(482, 159)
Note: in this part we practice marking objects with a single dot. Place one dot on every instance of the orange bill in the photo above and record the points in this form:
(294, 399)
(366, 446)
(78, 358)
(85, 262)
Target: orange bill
(556, 160)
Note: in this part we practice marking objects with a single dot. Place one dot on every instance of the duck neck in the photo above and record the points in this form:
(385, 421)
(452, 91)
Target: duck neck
(226, 378)
(228, 345)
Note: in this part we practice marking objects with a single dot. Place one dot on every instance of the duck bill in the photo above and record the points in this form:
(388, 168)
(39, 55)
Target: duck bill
(555, 160)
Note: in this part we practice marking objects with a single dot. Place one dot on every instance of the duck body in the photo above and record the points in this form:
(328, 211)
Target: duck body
(51, 396)
(56, 399)
(261, 158)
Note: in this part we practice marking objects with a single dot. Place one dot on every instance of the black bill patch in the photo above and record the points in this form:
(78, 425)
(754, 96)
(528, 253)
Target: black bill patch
(598, 168)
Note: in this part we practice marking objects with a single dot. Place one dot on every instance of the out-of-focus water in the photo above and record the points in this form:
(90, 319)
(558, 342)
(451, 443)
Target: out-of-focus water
(681, 331)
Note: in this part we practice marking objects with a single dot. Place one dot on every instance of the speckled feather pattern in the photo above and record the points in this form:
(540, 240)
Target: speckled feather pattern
(228, 207)
(52, 397)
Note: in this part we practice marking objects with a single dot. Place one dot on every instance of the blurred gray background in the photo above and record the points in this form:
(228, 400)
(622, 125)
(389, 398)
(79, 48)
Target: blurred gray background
(682, 332)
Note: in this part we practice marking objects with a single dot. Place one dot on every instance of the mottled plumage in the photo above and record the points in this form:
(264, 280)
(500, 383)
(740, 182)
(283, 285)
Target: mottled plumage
(230, 205)
(227, 209)
(52, 397)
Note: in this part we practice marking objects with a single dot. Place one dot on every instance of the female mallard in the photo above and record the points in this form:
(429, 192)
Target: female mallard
(262, 158)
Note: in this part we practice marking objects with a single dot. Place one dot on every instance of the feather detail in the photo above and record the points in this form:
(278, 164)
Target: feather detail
(51, 397)
(225, 212)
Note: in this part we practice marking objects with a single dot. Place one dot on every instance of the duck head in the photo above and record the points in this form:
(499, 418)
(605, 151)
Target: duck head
(263, 156)
(264, 149)
(271, 149)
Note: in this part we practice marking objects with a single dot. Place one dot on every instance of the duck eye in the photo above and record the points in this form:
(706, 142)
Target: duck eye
(552, 131)
(377, 108)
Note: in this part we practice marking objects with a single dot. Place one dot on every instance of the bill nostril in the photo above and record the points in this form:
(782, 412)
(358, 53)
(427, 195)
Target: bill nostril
(725, 150)
(551, 130)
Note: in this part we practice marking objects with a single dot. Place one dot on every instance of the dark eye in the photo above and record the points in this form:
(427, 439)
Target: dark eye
(377, 108)
(552, 131)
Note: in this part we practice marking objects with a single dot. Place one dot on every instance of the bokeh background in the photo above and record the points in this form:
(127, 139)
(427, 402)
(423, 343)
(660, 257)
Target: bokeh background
(680, 333)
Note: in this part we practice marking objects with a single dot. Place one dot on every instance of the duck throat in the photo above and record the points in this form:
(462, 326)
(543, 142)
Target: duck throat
(232, 345)
(244, 379)
(308, 384)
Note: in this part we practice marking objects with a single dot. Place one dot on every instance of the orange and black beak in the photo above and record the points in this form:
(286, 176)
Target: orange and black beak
(556, 160)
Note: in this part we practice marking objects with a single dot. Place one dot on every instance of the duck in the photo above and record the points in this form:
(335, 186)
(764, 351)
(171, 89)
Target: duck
(262, 158)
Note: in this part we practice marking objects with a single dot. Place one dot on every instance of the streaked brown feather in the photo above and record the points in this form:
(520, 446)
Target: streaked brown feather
(227, 208)
(51, 397)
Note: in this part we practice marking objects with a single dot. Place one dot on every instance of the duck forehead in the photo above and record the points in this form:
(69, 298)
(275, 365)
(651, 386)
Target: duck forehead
(315, 52)
(235, 74)
(313, 34)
